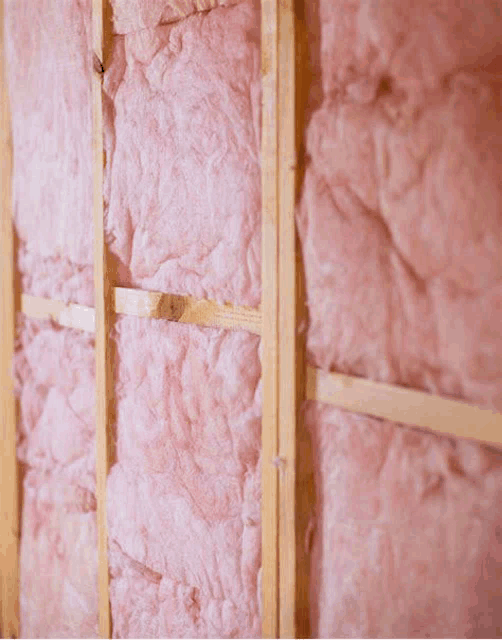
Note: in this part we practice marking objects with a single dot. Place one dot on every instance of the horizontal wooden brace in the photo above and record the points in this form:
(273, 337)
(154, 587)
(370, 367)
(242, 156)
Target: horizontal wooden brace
(408, 406)
(74, 316)
(146, 304)
(380, 400)
(206, 313)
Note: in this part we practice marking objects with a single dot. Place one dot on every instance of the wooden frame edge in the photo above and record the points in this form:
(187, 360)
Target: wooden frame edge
(287, 334)
(9, 490)
(360, 395)
(270, 320)
(103, 315)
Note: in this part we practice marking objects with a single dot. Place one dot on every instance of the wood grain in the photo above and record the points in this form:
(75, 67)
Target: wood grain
(146, 304)
(185, 309)
(103, 314)
(287, 342)
(9, 502)
(407, 406)
(380, 400)
(270, 319)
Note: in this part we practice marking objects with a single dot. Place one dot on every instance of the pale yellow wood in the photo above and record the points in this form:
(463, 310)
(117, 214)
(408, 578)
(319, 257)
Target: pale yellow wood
(148, 304)
(270, 330)
(185, 309)
(287, 344)
(9, 501)
(102, 288)
(399, 404)
(75, 316)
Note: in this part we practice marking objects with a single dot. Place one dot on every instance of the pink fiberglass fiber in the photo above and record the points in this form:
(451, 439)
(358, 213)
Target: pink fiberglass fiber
(401, 225)
(400, 220)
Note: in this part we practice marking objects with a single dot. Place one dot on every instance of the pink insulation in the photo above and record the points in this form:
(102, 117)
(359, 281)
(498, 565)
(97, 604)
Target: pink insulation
(133, 15)
(401, 225)
(184, 496)
(183, 193)
(404, 169)
(49, 84)
(408, 540)
(183, 143)
(400, 219)
(55, 375)
(47, 46)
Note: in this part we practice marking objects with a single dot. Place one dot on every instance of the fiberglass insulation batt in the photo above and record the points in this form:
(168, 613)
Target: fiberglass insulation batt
(401, 226)
(47, 47)
(400, 221)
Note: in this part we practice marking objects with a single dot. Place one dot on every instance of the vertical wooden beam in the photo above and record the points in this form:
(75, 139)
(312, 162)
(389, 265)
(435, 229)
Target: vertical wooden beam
(103, 311)
(287, 319)
(279, 319)
(270, 321)
(9, 505)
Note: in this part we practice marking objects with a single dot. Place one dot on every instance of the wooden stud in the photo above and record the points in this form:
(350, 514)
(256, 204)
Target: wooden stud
(103, 314)
(278, 328)
(9, 502)
(287, 342)
(270, 320)
(279, 319)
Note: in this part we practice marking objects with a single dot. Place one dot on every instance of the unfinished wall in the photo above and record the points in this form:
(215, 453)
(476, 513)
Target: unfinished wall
(400, 222)
(401, 226)
(182, 201)
(183, 215)
(48, 68)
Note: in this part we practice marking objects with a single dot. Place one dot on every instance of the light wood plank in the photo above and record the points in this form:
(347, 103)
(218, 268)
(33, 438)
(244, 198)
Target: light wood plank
(102, 288)
(287, 320)
(399, 404)
(9, 501)
(270, 296)
(380, 400)
(147, 304)
(185, 309)
(75, 316)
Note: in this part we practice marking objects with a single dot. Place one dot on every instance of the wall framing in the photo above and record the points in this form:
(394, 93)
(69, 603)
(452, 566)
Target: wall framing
(276, 322)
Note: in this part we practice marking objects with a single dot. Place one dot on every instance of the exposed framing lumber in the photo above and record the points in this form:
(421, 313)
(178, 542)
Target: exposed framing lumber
(185, 309)
(398, 404)
(75, 316)
(287, 340)
(9, 501)
(146, 304)
(103, 314)
(279, 320)
(276, 324)
(377, 399)
(270, 319)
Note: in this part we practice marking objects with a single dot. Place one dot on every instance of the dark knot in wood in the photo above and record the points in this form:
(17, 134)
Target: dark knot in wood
(97, 64)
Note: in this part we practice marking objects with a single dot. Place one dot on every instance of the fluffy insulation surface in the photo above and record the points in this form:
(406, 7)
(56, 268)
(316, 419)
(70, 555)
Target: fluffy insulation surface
(56, 448)
(48, 68)
(183, 145)
(401, 225)
(183, 216)
(400, 219)
(184, 495)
